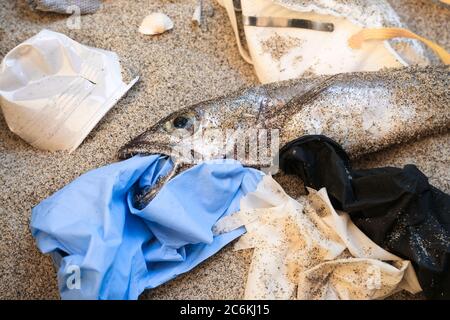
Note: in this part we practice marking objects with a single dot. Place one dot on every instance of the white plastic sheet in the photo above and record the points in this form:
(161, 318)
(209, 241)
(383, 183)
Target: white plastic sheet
(306, 250)
(281, 53)
(54, 90)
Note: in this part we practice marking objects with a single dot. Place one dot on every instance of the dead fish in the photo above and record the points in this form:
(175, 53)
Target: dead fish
(364, 112)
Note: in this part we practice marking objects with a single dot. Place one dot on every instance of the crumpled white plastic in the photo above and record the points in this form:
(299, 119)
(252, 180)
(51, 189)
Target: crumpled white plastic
(281, 53)
(54, 90)
(306, 250)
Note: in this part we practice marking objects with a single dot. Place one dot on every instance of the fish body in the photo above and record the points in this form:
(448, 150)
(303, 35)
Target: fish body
(364, 112)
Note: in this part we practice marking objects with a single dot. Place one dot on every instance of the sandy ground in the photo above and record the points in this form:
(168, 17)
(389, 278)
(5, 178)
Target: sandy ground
(178, 68)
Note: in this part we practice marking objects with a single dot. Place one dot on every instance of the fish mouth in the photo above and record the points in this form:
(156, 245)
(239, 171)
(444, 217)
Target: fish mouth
(143, 196)
(145, 149)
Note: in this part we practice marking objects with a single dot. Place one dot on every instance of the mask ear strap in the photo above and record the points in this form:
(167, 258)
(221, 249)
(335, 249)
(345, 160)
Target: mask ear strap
(357, 39)
(229, 6)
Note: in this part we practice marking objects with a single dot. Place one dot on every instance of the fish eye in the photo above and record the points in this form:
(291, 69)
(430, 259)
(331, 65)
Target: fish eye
(180, 122)
(186, 121)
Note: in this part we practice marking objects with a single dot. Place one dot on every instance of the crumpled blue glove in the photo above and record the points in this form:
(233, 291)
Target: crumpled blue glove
(105, 248)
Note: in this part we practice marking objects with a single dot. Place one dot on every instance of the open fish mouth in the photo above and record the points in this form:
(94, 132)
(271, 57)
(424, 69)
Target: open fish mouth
(145, 149)
(143, 196)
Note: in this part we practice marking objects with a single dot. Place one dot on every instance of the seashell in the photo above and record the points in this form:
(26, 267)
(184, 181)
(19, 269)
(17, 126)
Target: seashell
(155, 23)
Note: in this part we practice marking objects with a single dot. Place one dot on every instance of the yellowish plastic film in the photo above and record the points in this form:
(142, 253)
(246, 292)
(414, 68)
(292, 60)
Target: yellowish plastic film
(357, 39)
(446, 1)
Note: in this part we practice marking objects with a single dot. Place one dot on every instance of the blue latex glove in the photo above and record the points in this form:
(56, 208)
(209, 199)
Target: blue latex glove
(120, 251)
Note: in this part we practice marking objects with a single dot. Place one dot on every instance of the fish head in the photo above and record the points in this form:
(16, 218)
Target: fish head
(188, 129)
(200, 131)
(224, 127)
(197, 133)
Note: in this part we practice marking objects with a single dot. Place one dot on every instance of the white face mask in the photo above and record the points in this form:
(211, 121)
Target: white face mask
(281, 53)
(53, 90)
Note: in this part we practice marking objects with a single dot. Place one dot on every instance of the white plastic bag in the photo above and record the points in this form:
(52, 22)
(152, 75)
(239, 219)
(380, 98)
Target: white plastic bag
(306, 250)
(53, 90)
(281, 53)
